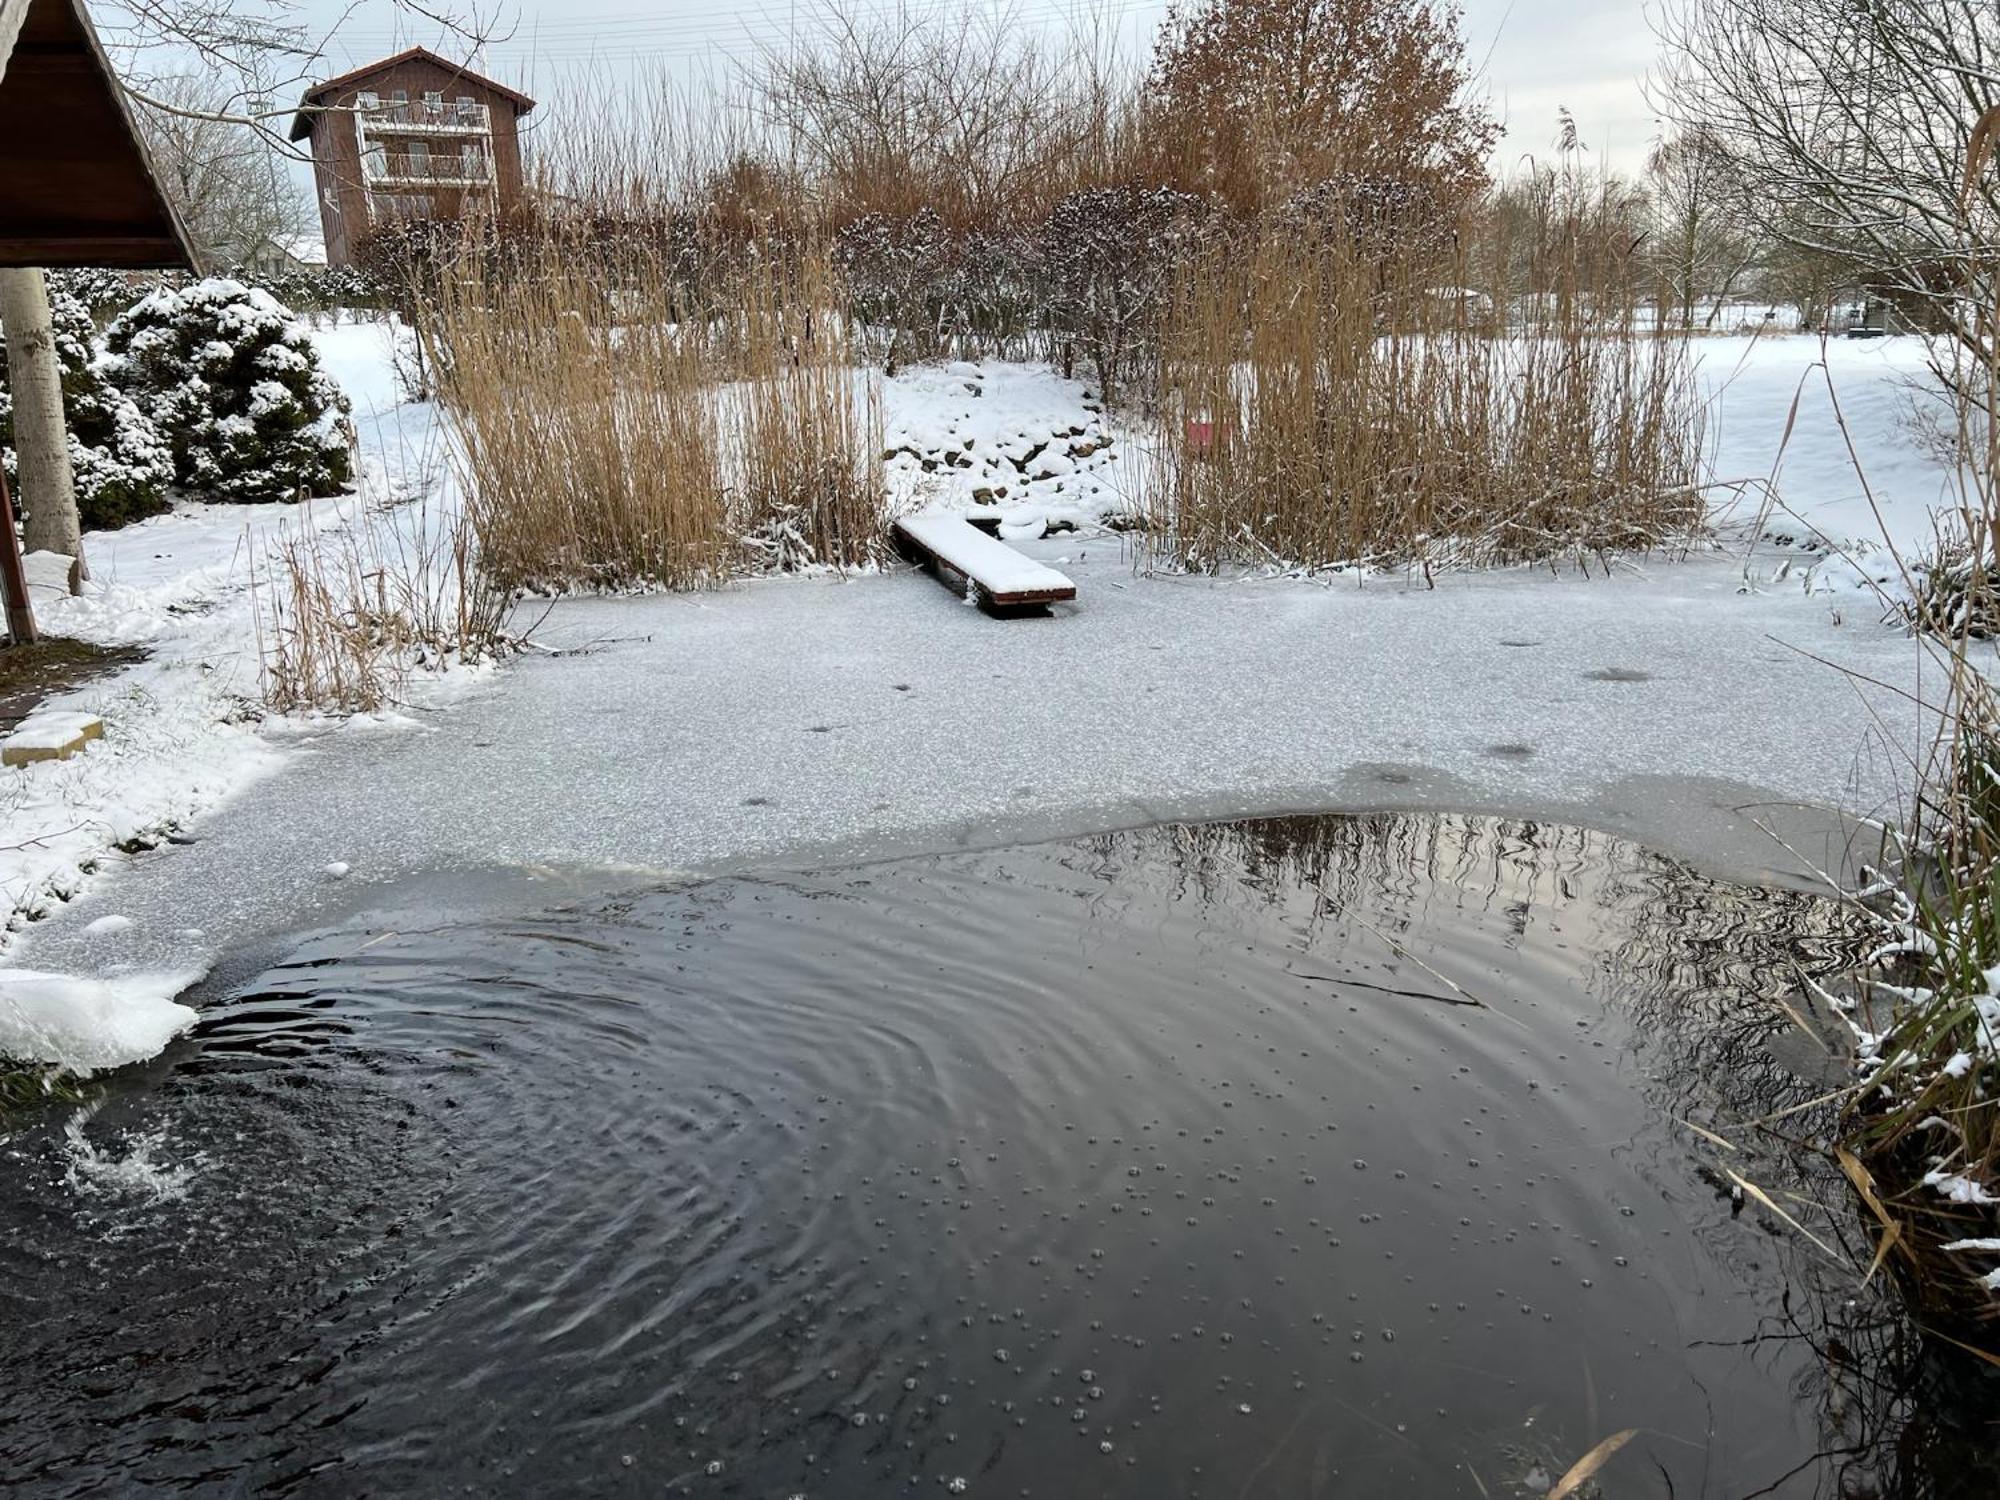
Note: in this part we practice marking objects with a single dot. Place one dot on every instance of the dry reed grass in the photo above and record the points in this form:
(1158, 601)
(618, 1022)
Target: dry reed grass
(1325, 409)
(587, 442)
(612, 434)
(1927, 1116)
(345, 615)
(806, 453)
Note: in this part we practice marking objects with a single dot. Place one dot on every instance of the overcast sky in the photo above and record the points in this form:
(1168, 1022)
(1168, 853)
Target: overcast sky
(1534, 55)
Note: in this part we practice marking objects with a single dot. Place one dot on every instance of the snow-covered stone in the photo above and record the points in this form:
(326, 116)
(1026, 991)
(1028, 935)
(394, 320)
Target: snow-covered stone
(50, 734)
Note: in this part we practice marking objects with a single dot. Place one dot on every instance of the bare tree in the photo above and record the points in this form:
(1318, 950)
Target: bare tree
(965, 115)
(41, 448)
(255, 56)
(1853, 121)
(231, 189)
(1704, 238)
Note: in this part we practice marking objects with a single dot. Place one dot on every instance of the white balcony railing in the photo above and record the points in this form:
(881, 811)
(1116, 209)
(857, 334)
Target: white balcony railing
(457, 169)
(447, 117)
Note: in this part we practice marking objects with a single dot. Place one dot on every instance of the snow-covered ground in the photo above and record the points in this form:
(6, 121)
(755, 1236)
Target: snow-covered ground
(801, 719)
(1016, 438)
(1841, 475)
(181, 736)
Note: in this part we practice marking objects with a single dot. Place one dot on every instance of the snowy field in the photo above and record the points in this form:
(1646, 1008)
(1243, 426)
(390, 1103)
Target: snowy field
(795, 720)
(1820, 525)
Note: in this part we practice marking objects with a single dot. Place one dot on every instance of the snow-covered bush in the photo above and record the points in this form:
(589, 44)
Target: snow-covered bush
(895, 266)
(235, 385)
(103, 293)
(122, 464)
(319, 289)
(1108, 257)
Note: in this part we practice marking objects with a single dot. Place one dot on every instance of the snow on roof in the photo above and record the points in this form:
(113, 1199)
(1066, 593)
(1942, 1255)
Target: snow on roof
(306, 249)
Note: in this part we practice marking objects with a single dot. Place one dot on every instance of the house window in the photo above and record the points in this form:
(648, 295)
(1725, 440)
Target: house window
(433, 99)
(368, 99)
(399, 96)
(471, 160)
(420, 158)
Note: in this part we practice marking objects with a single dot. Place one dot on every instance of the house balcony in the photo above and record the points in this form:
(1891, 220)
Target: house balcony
(400, 171)
(419, 118)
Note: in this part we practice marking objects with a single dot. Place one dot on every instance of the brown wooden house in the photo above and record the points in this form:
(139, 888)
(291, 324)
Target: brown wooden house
(411, 136)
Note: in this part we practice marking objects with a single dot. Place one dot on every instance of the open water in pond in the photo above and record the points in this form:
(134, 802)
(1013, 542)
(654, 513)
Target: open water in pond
(1305, 1157)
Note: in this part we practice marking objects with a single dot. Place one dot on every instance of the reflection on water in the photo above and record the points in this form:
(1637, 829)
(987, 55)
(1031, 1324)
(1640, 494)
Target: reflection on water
(1299, 1157)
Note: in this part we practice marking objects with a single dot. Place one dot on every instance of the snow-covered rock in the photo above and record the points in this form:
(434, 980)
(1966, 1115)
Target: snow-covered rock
(975, 437)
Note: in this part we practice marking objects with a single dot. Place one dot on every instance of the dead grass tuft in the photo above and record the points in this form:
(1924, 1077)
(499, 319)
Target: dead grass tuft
(346, 615)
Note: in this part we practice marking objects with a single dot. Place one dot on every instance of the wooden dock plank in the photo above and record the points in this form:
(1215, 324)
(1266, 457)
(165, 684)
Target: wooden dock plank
(1004, 579)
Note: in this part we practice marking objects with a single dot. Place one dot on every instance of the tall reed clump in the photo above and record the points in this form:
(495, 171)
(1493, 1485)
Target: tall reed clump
(585, 428)
(1327, 407)
(1921, 1137)
(805, 427)
(617, 430)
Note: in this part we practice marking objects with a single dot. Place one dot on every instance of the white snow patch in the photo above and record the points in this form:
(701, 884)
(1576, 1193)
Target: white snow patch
(106, 926)
(996, 434)
(1833, 514)
(1959, 1189)
(88, 1024)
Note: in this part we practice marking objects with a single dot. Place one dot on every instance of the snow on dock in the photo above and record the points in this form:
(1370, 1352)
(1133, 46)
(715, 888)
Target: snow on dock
(961, 555)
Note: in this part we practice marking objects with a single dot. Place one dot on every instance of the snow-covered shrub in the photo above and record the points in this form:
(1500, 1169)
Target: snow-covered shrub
(1109, 256)
(895, 265)
(995, 287)
(122, 464)
(319, 289)
(103, 293)
(235, 385)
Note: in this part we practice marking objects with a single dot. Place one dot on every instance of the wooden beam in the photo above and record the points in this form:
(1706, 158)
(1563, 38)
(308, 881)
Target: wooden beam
(132, 253)
(13, 576)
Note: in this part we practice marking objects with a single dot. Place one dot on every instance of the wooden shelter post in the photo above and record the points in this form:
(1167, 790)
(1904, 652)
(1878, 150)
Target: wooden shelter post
(13, 575)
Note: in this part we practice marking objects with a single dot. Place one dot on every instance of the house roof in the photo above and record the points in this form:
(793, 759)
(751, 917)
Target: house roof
(319, 92)
(306, 249)
(77, 187)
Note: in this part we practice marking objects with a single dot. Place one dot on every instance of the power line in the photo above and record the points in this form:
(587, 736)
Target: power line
(687, 38)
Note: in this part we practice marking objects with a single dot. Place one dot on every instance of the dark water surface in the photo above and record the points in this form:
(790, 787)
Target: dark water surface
(1177, 1162)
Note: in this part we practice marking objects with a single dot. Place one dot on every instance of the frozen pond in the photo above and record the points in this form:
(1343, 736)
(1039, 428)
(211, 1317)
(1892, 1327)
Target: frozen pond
(1298, 1157)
